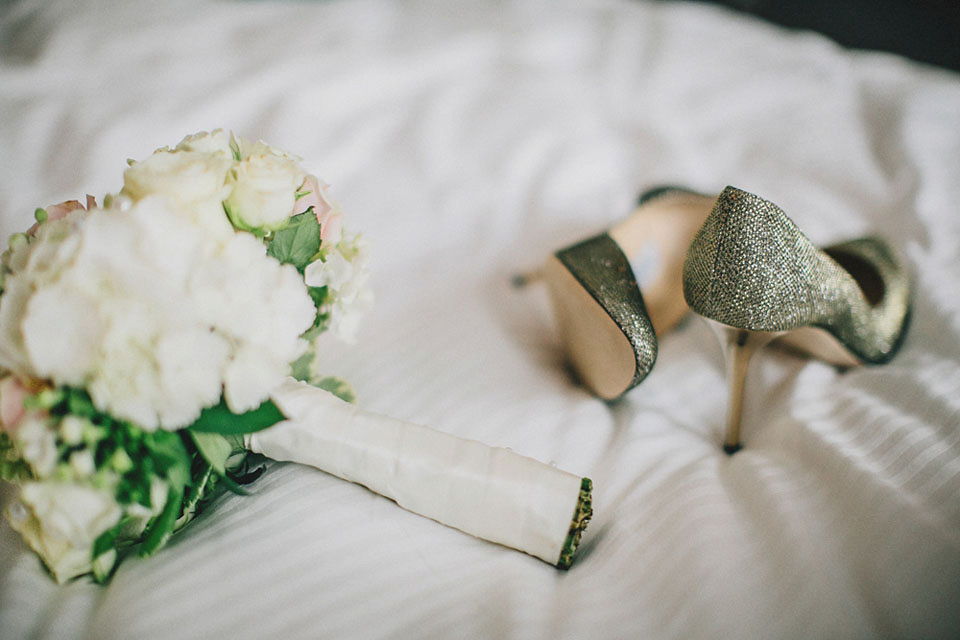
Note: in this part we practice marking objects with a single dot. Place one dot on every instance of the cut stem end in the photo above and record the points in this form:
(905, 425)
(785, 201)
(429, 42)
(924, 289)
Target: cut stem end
(581, 516)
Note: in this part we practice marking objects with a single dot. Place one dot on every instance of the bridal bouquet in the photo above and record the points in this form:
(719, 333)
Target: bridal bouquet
(156, 350)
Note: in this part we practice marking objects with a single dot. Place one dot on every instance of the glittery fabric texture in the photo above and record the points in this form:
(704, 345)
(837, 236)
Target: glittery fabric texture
(750, 267)
(600, 266)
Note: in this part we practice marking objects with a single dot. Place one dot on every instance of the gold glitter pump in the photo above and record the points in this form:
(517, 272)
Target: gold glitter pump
(756, 278)
(608, 328)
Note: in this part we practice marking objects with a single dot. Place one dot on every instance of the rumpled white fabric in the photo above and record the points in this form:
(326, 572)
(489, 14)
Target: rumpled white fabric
(467, 141)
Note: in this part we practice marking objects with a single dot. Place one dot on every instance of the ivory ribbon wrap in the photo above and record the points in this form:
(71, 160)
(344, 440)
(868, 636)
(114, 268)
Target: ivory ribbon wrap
(488, 492)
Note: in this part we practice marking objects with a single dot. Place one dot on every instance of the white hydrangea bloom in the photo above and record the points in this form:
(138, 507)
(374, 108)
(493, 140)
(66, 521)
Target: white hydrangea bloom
(55, 244)
(345, 272)
(262, 312)
(154, 319)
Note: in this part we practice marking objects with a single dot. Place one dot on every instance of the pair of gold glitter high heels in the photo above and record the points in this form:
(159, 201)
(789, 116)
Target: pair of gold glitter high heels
(738, 261)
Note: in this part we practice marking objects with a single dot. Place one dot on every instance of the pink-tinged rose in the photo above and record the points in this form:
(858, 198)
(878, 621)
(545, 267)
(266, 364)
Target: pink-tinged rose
(328, 214)
(12, 394)
(57, 211)
(63, 209)
(331, 226)
(312, 196)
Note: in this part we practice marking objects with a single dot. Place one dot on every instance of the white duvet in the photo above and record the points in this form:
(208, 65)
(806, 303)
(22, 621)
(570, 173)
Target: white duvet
(468, 140)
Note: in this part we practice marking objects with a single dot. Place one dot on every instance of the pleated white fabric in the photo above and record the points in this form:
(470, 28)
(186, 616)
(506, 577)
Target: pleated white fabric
(468, 141)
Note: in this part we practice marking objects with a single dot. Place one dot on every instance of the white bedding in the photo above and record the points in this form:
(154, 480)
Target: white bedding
(468, 141)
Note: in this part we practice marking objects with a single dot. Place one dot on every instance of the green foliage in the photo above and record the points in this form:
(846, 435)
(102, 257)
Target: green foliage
(298, 243)
(12, 468)
(194, 464)
(302, 369)
(159, 529)
(320, 297)
(338, 387)
(109, 538)
(214, 448)
(219, 419)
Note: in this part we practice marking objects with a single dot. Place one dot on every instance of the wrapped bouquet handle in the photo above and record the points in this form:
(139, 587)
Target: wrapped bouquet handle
(492, 493)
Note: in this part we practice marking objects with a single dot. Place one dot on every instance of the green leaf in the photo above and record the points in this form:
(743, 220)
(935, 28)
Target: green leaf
(104, 565)
(80, 404)
(160, 528)
(197, 492)
(338, 387)
(12, 466)
(108, 539)
(320, 324)
(170, 456)
(297, 243)
(233, 486)
(214, 448)
(45, 400)
(219, 419)
(300, 369)
(318, 295)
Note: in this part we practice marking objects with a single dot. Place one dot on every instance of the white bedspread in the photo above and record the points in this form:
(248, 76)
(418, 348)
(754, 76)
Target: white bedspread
(469, 140)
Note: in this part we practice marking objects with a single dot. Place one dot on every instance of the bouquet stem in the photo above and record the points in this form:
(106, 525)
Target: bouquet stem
(489, 492)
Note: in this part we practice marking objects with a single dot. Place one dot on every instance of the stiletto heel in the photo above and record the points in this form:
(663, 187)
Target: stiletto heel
(750, 270)
(607, 327)
(738, 345)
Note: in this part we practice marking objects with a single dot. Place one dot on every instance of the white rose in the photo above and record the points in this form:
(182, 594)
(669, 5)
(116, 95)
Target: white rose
(216, 141)
(61, 521)
(245, 149)
(185, 176)
(264, 191)
(193, 179)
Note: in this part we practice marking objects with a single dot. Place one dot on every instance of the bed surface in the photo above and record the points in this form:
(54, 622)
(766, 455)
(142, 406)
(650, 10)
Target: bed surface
(468, 141)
